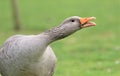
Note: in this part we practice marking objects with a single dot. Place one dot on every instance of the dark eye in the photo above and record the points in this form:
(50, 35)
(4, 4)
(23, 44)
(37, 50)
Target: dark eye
(72, 20)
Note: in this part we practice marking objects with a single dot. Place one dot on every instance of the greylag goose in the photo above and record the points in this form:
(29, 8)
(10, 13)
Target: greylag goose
(31, 55)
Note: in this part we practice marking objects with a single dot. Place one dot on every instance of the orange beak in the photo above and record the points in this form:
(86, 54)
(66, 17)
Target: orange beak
(86, 22)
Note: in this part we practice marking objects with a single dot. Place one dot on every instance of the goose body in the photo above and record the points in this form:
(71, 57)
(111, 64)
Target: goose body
(31, 55)
(19, 59)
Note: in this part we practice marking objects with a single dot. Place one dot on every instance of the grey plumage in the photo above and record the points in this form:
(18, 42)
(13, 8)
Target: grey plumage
(17, 57)
(31, 55)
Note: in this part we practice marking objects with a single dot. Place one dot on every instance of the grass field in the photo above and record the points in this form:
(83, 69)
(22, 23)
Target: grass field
(93, 51)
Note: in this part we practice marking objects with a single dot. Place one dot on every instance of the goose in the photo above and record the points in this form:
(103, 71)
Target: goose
(31, 55)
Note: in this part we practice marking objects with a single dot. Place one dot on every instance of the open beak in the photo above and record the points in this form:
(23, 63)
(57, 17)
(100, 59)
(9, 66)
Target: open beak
(86, 22)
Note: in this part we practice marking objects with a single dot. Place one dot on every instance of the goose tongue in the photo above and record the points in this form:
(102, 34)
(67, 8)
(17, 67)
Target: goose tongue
(86, 22)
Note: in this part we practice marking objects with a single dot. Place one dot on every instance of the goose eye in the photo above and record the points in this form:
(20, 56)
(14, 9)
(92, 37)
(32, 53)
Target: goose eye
(72, 20)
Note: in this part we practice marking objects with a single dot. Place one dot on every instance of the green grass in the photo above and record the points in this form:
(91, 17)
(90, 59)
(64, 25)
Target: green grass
(93, 51)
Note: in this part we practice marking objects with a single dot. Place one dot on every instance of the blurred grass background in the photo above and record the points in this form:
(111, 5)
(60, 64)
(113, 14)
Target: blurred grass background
(93, 51)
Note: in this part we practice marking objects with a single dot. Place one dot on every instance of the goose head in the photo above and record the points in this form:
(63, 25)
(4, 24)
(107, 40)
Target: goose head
(74, 23)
